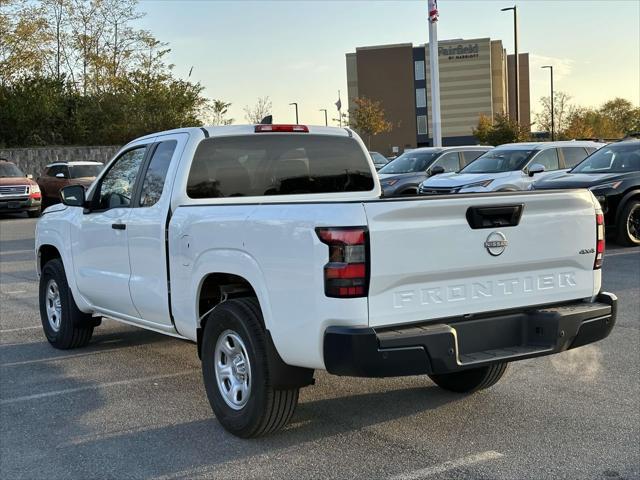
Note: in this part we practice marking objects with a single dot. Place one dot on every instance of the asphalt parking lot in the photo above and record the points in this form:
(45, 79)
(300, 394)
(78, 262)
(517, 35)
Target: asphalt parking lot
(132, 405)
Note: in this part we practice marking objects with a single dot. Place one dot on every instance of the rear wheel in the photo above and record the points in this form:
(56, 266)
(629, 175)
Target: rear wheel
(629, 225)
(236, 373)
(65, 326)
(471, 380)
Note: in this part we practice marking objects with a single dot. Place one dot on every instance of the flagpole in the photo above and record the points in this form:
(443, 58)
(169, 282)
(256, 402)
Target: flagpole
(434, 70)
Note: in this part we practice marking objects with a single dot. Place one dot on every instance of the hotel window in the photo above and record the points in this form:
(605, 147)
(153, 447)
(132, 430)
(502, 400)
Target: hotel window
(419, 69)
(422, 124)
(421, 97)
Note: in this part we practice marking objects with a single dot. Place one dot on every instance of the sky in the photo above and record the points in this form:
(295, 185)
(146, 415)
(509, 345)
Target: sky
(294, 51)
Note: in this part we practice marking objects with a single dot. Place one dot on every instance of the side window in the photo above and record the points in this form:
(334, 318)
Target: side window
(470, 155)
(449, 161)
(65, 171)
(116, 187)
(156, 173)
(573, 156)
(53, 171)
(547, 158)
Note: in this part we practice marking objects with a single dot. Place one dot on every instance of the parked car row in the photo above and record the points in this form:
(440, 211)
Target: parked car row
(20, 193)
(611, 172)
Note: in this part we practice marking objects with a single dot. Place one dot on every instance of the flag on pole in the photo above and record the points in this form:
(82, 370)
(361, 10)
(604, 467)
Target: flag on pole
(339, 104)
(433, 11)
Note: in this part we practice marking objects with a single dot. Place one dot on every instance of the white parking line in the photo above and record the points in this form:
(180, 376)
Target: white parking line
(20, 329)
(451, 465)
(66, 391)
(54, 359)
(13, 292)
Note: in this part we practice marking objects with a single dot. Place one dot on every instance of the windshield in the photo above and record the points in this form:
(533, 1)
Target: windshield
(8, 169)
(498, 160)
(410, 162)
(378, 158)
(612, 159)
(81, 171)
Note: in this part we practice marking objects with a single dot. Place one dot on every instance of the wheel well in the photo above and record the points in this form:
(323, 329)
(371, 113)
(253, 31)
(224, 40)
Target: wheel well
(217, 287)
(633, 195)
(47, 253)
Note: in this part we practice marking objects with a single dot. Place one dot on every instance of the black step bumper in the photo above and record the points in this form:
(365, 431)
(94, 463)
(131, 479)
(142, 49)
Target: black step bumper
(461, 343)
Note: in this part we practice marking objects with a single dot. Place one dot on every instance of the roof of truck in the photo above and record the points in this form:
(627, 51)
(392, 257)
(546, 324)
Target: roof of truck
(226, 130)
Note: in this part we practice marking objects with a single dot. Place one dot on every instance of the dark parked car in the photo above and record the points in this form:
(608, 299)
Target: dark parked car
(60, 174)
(613, 175)
(403, 175)
(18, 193)
(379, 160)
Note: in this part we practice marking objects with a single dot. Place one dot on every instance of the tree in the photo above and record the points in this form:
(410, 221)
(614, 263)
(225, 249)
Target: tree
(368, 118)
(216, 113)
(501, 129)
(563, 110)
(589, 123)
(622, 114)
(261, 109)
(22, 36)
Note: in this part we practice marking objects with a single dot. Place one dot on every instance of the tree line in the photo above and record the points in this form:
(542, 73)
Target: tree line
(78, 72)
(614, 119)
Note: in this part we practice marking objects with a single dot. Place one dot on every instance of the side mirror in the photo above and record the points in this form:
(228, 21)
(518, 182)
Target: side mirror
(29, 176)
(437, 170)
(535, 168)
(60, 175)
(73, 196)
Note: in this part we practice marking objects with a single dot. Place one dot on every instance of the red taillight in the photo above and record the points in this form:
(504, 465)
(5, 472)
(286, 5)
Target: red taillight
(599, 240)
(347, 273)
(281, 128)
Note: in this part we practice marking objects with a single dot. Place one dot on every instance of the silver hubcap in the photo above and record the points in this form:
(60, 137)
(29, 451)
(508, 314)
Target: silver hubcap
(233, 369)
(54, 306)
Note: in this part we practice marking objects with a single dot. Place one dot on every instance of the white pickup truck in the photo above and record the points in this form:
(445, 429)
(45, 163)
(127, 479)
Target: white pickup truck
(270, 247)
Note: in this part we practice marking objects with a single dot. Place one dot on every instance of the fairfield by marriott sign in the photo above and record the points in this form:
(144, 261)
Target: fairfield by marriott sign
(460, 51)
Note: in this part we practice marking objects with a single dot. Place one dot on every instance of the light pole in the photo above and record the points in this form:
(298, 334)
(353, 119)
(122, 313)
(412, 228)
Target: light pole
(550, 67)
(296, 105)
(517, 60)
(326, 121)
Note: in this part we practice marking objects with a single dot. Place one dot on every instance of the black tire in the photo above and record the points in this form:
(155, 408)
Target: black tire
(471, 380)
(629, 235)
(267, 409)
(75, 328)
(34, 213)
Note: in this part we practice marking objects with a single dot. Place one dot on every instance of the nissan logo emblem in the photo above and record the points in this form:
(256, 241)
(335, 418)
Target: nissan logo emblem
(496, 243)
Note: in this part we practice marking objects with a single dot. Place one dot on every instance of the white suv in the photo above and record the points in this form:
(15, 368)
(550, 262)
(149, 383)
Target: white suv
(510, 167)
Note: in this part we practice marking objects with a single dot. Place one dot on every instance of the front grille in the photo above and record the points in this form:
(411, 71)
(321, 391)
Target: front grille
(14, 190)
(436, 190)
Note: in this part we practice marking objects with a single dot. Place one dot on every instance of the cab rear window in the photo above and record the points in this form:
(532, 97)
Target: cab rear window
(278, 164)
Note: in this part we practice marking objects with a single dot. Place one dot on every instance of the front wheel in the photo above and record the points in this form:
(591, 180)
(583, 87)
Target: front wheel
(65, 326)
(629, 225)
(471, 380)
(236, 373)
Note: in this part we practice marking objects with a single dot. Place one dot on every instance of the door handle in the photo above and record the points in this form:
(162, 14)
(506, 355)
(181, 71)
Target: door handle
(118, 226)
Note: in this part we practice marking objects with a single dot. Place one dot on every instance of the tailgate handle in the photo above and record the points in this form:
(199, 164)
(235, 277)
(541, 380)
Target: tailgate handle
(494, 216)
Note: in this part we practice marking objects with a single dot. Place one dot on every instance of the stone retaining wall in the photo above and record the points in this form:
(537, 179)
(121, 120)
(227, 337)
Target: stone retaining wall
(33, 160)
